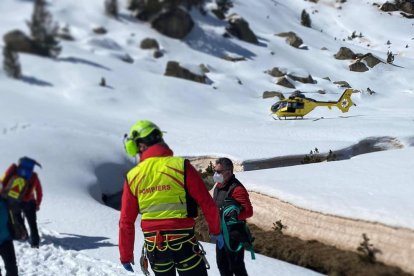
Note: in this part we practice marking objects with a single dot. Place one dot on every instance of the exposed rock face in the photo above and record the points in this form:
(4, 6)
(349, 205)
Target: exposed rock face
(64, 34)
(408, 7)
(283, 81)
(358, 66)
(371, 60)
(307, 79)
(17, 41)
(388, 7)
(272, 94)
(100, 30)
(175, 70)
(219, 14)
(276, 72)
(343, 84)
(292, 39)
(345, 53)
(157, 54)
(233, 58)
(240, 29)
(204, 68)
(175, 23)
(144, 9)
(149, 43)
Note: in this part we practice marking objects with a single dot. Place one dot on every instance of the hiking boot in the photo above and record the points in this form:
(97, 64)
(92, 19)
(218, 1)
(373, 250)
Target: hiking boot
(35, 246)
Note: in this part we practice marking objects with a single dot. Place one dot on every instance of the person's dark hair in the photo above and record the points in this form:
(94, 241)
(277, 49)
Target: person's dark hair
(154, 137)
(225, 162)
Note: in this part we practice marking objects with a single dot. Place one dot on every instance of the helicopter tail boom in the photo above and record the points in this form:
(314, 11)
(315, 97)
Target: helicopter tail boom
(345, 102)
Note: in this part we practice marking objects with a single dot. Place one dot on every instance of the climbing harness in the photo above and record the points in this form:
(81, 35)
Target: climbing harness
(202, 254)
(143, 261)
(173, 240)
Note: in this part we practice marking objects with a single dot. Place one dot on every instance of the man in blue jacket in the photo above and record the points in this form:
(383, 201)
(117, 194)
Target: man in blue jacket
(6, 243)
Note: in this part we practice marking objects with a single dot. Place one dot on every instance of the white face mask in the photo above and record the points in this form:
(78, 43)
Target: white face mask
(218, 177)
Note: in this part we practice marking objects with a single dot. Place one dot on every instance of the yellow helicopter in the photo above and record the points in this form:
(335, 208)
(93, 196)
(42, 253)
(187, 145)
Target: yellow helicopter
(298, 105)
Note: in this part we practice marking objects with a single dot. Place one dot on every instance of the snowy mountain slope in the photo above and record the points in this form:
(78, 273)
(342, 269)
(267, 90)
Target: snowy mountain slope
(61, 116)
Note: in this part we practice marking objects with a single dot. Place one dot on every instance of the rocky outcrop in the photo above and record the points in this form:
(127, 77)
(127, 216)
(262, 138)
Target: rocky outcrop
(307, 79)
(99, 30)
(158, 54)
(239, 27)
(276, 72)
(174, 23)
(403, 5)
(143, 9)
(408, 7)
(371, 60)
(345, 53)
(358, 66)
(17, 41)
(292, 39)
(272, 94)
(149, 43)
(388, 7)
(342, 84)
(175, 70)
(283, 81)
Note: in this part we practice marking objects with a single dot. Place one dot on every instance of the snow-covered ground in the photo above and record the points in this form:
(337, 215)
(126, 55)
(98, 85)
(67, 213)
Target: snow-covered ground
(59, 115)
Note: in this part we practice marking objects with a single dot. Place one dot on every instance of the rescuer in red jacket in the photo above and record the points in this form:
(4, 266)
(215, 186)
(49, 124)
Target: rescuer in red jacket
(165, 190)
(29, 196)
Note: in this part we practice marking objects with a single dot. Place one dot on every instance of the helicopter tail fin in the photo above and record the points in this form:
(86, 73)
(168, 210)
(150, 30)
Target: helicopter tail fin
(345, 102)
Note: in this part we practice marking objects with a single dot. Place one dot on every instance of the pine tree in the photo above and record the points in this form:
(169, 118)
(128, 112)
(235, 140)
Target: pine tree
(305, 19)
(111, 8)
(43, 30)
(11, 64)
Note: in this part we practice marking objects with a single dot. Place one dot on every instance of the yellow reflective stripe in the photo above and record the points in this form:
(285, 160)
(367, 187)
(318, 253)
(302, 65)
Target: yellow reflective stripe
(163, 207)
(18, 183)
(189, 258)
(190, 267)
(171, 264)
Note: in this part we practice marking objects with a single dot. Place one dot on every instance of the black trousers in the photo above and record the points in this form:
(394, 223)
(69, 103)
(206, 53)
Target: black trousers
(230, 263)
(184, 260)
(29, 210)
(9, 258)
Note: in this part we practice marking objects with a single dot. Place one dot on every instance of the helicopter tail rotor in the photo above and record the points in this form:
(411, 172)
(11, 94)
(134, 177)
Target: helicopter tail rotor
(345, 102)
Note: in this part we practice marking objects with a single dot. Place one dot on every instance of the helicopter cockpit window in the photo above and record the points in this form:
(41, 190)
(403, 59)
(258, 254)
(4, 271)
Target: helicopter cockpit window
(300, 105)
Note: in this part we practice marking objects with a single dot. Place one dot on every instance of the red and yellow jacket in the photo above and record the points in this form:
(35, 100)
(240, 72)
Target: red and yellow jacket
(35, 189)
(130, 209)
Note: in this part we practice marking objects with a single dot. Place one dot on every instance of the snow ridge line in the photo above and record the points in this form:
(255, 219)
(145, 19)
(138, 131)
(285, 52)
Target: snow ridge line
(395, 243)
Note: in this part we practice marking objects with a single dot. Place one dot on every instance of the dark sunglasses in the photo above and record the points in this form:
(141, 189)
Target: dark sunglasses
(220, 172)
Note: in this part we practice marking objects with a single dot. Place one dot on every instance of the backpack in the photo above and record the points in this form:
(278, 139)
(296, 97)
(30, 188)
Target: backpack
(16, 188)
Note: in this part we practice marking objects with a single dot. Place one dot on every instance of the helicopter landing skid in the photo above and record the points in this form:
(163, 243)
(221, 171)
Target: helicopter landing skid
(286, 118)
